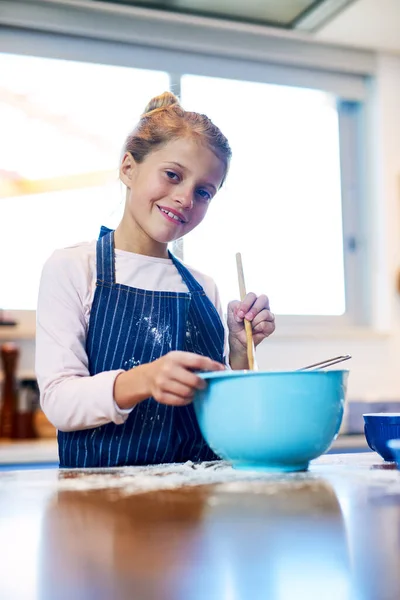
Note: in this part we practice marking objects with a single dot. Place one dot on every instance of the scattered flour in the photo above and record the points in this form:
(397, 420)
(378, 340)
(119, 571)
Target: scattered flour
(133, 480)
(136, 480)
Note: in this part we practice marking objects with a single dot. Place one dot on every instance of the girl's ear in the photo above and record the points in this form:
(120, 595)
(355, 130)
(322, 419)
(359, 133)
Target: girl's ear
(127, 168)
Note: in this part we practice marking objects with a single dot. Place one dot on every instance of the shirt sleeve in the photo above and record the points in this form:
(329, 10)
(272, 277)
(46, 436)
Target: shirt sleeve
(70, 397)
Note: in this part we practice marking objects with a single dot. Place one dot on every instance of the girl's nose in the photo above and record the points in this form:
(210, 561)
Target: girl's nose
(185, 200)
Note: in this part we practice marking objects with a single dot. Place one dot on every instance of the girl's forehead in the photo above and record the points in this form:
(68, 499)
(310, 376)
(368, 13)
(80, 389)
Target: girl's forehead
(192, 155)
(183, 145)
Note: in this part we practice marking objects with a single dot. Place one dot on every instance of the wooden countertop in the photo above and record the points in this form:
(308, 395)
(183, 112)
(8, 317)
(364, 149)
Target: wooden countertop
(202, 532)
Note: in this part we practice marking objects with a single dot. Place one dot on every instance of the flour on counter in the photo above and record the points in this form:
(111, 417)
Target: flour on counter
(133, 480)
(137, 480)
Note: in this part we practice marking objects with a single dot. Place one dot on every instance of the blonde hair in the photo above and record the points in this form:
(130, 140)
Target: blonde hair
(164, 120)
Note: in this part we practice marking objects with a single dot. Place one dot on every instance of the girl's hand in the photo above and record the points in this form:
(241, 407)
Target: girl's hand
(170, 380)
(256, 310)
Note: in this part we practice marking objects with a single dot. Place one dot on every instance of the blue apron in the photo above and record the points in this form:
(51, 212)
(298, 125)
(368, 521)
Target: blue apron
(129, 327)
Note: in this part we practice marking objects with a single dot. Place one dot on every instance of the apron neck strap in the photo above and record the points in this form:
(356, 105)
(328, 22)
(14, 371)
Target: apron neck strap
(105, 257)
(192, 284)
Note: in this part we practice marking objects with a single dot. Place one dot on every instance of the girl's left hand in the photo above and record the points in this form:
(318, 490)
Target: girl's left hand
(254, 309)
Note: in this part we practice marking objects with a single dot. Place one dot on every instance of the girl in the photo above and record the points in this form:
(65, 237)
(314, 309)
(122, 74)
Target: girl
(122, 325)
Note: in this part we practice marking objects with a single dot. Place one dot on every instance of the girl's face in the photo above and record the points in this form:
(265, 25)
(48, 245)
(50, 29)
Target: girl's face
(169, 192)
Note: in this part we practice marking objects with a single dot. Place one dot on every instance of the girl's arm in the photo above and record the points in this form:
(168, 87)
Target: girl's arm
(70, 397)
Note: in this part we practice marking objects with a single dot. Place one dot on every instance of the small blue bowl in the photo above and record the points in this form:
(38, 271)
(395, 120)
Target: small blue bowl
(379, 428)
(394, 447)
(272, 421)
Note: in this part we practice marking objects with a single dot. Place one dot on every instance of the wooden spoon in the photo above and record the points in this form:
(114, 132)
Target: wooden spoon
(249, 333)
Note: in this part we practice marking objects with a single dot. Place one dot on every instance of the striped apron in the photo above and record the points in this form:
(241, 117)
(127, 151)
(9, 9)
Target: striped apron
(129, 327)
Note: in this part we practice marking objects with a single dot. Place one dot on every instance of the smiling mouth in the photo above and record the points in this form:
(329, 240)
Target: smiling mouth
(171, 215)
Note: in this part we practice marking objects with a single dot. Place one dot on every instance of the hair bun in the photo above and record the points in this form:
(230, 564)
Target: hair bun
(162, 101)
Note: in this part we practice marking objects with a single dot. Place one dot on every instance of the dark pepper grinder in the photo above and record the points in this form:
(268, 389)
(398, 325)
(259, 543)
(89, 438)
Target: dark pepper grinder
(8, 412)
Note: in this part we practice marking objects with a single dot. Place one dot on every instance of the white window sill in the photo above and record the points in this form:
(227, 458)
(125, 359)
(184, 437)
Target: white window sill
(322, 332)
(316, 332)
(287, 327)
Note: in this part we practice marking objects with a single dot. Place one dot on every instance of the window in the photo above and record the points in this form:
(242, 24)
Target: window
(282, 204)
(291, 203)
(63, 126)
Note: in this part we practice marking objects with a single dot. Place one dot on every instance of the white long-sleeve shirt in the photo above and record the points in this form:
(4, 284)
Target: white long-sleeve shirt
(71, 398)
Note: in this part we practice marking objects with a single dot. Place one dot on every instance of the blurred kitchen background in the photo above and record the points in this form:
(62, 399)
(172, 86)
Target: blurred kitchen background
(307, 92)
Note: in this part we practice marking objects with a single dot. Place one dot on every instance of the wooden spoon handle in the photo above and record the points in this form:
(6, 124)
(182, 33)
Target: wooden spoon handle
(247, 324)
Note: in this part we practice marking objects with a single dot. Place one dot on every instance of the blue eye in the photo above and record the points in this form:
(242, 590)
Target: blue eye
(171, 175)
(204, 195)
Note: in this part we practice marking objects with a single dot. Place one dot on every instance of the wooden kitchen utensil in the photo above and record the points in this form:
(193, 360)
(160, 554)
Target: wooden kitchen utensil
(249, 333)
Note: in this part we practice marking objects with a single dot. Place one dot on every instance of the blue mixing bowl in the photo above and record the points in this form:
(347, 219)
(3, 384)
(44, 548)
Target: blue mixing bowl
(379, 428)
(273, 421)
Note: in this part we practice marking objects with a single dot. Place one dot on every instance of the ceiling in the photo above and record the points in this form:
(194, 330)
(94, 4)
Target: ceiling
(373, 24)
(370, 24)
(276, 13)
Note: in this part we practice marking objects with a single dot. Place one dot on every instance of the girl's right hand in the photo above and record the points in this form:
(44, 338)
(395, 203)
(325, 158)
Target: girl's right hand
(172, 380)
(169, 380)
